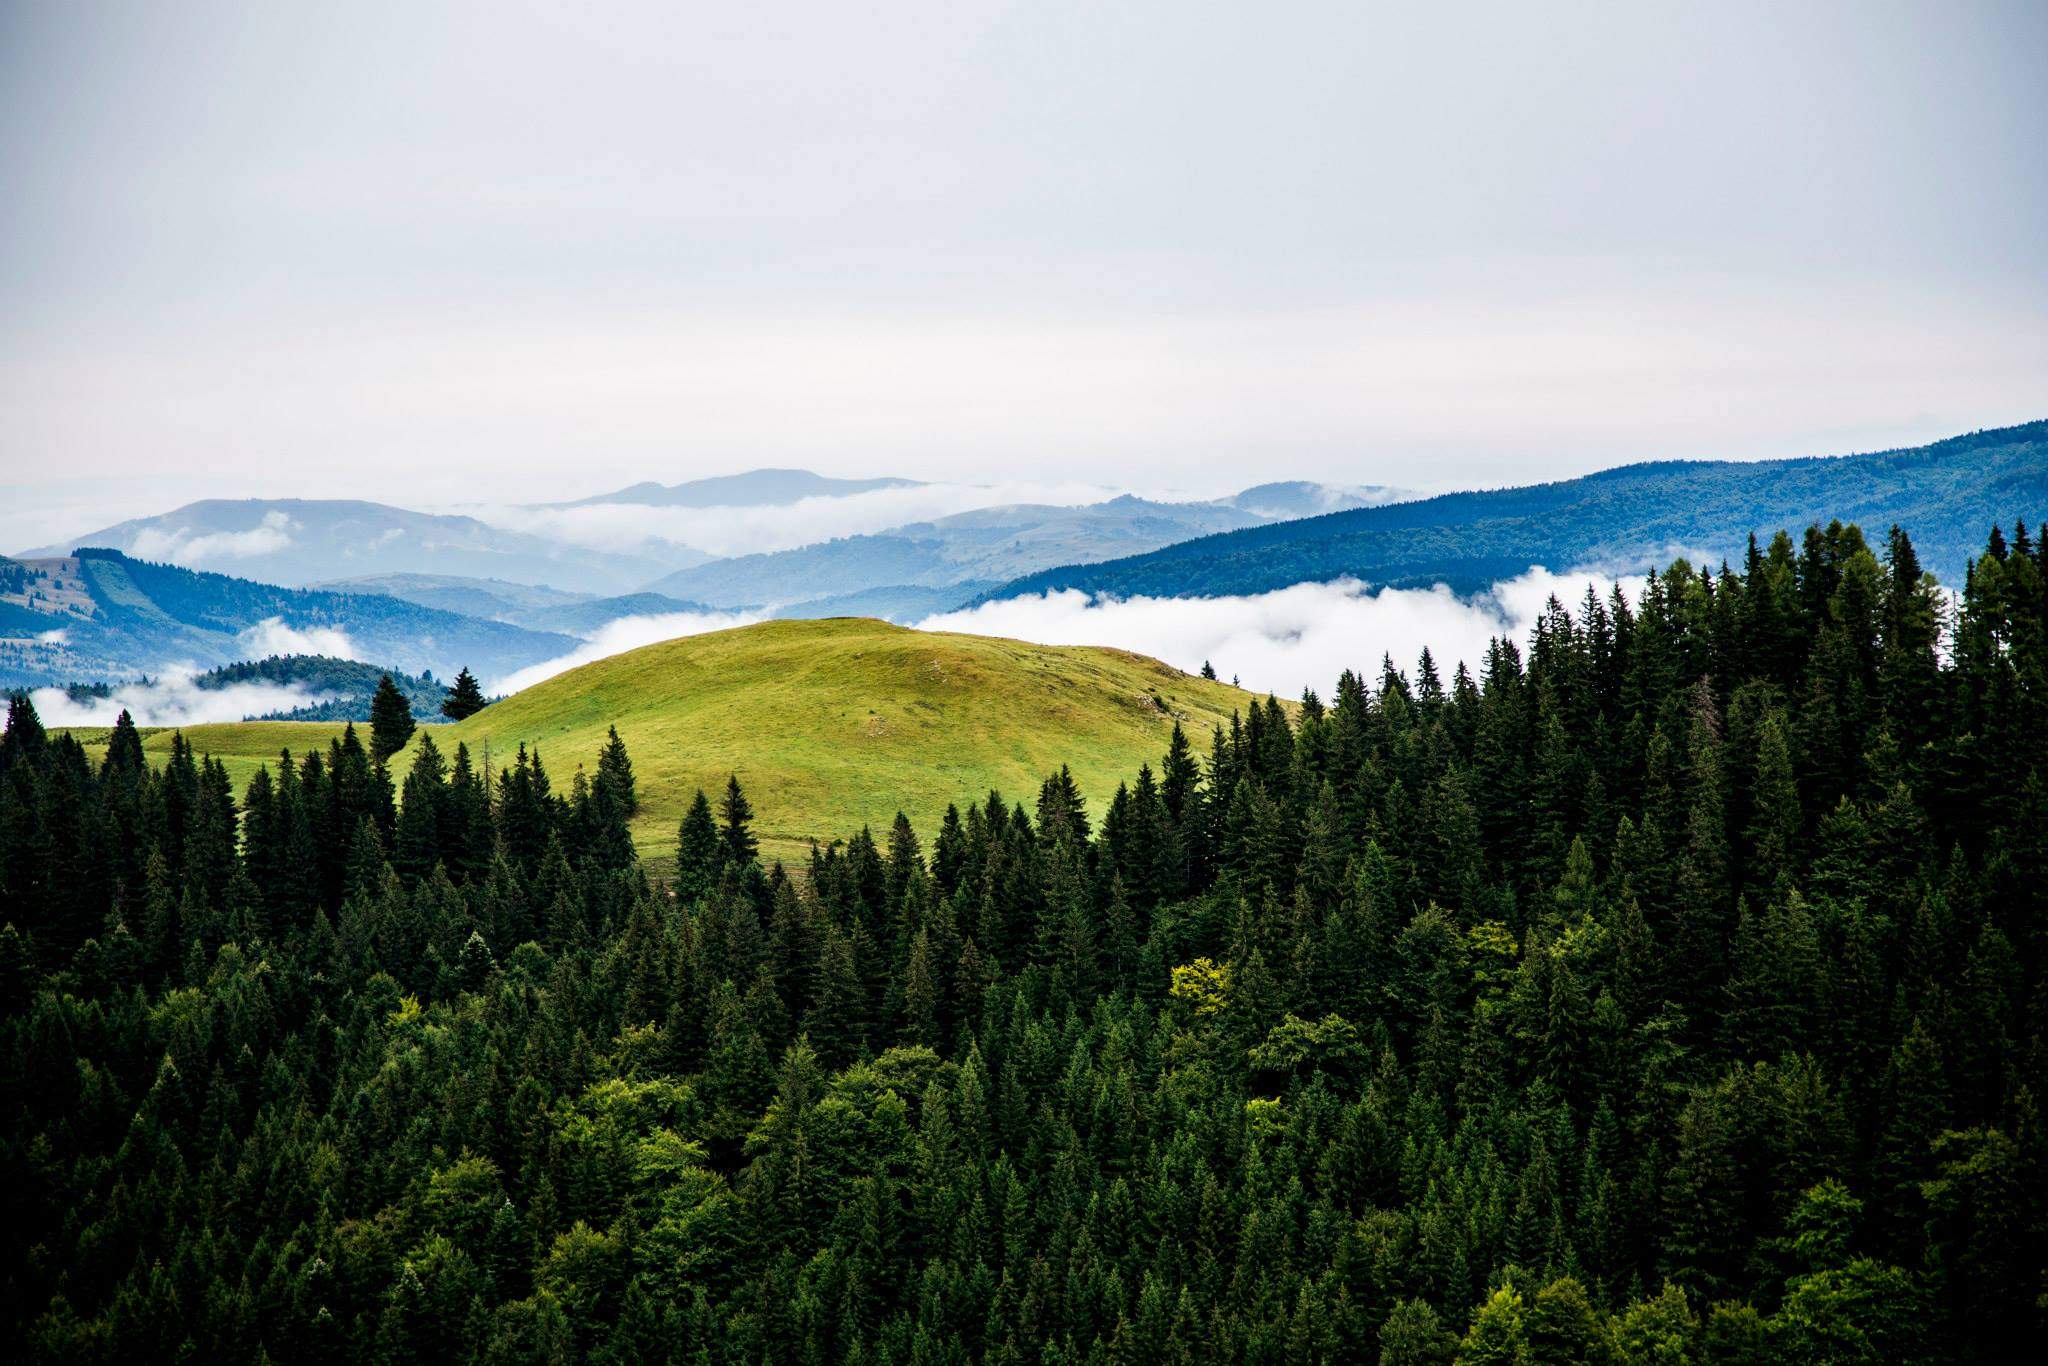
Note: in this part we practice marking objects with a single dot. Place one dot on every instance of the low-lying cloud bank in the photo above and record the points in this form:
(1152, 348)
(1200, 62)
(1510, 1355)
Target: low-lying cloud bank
(172, 700)
(726, 531)
(179, 546)
(1292, 638)
(271, 636)
(617, 637)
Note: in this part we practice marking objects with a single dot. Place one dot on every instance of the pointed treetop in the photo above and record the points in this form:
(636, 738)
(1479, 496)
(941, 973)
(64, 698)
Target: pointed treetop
(465, 699)
(391, 723)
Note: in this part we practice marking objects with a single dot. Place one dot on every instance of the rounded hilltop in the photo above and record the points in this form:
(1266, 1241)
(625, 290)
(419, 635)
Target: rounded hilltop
(836, 723)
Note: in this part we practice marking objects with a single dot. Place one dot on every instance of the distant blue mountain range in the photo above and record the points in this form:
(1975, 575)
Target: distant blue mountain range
(1946, 495)
(923, 567)
(754, 488)
(299, 541)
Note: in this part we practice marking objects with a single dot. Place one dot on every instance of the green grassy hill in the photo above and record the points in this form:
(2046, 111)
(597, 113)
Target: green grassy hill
(838, 723)
(830, 725)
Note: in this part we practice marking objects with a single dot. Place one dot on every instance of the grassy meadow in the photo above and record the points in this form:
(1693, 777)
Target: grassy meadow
(829, 724)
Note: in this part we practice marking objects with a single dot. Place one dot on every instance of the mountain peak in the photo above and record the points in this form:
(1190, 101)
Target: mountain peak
(766, 487)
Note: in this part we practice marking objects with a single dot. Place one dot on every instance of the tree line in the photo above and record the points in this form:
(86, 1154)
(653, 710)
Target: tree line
(1670, 989)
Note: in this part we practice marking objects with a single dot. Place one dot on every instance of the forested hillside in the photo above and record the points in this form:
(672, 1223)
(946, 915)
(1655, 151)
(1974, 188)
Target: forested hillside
(1628, 517)
(1671, 991)
(339, 689)
(102, 614)
(345, 686)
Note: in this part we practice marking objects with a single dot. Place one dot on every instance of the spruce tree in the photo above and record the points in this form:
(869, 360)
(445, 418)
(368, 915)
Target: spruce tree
(465, 699)
(615, 775)
(697, 851)
(735, 835)
(391, 723)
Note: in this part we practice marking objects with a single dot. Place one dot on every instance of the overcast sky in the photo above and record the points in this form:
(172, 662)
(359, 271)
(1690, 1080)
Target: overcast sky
(429, 252)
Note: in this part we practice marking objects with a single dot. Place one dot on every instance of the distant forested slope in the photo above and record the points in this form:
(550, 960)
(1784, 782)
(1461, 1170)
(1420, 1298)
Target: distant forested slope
(1636, 515)
(101, 614)
(346, 684)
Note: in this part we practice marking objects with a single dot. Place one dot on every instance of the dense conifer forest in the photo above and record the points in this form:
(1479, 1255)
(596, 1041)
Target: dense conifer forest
(1671, 991)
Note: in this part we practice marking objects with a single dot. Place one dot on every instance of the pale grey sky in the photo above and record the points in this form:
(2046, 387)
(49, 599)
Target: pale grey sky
(433, 252)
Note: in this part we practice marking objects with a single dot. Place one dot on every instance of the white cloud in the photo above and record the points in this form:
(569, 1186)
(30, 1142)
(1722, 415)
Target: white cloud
(181, 547)
(617, 637)
(748, 530)
(1292, 638)
(173, 700)
(57, 636)
(271, 636)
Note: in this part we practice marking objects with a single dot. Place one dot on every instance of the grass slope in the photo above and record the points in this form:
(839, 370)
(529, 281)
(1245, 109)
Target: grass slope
(837, 723)
(241, 746)
(830, 724)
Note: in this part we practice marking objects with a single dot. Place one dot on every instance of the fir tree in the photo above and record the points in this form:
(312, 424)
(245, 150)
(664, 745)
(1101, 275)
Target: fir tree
(391, 723)
(698, 851)
(465, 699)
(735, 819)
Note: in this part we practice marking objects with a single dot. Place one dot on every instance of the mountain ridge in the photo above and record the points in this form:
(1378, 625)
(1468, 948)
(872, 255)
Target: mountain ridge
(1948, 492)
(766, 487)
(969, 548)
(294, 542)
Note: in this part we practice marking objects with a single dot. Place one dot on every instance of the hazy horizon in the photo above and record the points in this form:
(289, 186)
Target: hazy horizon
(473, 253)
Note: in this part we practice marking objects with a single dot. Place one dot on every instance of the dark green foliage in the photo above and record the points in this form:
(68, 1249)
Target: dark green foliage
(1672, 992)
(735, 826)
(391, 723)
(346, 687)
(465, 699)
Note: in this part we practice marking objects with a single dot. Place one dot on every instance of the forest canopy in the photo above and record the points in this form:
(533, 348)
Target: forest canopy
(1670, 990)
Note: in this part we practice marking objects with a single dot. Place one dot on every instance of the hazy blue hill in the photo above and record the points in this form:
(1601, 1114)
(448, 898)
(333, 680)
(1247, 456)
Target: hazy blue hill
(849, 564)
(536, 608)
(997, 543)
(298, 541)
(993, 544)
(586, 618)
(901, 603)
(754, 488)
(103, 614)
(1299, 498)
(1947, 494)
(492, 598)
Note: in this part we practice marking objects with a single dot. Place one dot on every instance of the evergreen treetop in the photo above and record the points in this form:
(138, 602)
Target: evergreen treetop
(391, 723)
(465, 699)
